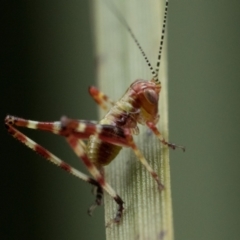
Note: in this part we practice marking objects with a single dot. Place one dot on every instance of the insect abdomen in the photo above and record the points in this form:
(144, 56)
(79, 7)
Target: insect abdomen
(101, 153)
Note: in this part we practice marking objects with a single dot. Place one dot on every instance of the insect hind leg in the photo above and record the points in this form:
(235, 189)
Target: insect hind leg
(78, 147)
(53, 159)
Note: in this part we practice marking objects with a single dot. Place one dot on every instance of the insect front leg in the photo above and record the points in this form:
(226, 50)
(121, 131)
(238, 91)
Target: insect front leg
(100, 98)
(154, 129)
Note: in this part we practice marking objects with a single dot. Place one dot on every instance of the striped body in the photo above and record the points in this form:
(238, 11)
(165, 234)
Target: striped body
(139, 104)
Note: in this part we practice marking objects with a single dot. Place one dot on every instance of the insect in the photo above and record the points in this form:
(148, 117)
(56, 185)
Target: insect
(138, 105)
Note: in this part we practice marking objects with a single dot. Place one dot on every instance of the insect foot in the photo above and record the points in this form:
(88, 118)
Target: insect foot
(153, 128)
(98, 201)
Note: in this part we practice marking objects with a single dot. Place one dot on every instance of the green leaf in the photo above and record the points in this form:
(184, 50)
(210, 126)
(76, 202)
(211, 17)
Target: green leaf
(148, 211)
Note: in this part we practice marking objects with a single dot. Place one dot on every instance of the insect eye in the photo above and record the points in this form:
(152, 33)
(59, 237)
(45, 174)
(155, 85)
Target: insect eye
(151, 96)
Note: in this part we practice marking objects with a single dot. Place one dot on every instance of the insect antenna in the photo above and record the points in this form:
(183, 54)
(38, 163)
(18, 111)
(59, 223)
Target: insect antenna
(118, 14)
(155, 78)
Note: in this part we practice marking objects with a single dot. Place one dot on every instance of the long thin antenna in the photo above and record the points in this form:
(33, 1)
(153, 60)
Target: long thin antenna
(155, 78)
(124, 22)
(120, 17)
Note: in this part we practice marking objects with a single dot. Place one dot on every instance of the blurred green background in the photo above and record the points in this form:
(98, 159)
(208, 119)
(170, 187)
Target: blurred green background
(47, 63)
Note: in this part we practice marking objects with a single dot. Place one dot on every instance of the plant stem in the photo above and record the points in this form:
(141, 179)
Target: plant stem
(148, 212)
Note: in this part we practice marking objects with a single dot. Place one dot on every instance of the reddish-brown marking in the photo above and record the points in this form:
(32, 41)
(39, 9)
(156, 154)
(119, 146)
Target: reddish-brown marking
(86, 161)
(101, 180)
(114, 134)
(20, 137)
(93, 90)
(154, 175)
(80, 135)
(20, 122)
(65, 167)
(105, 97)
(96, 94)
(90, 129)
(73, 141)
(70, 127)
(42, 151)
(47, 126)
